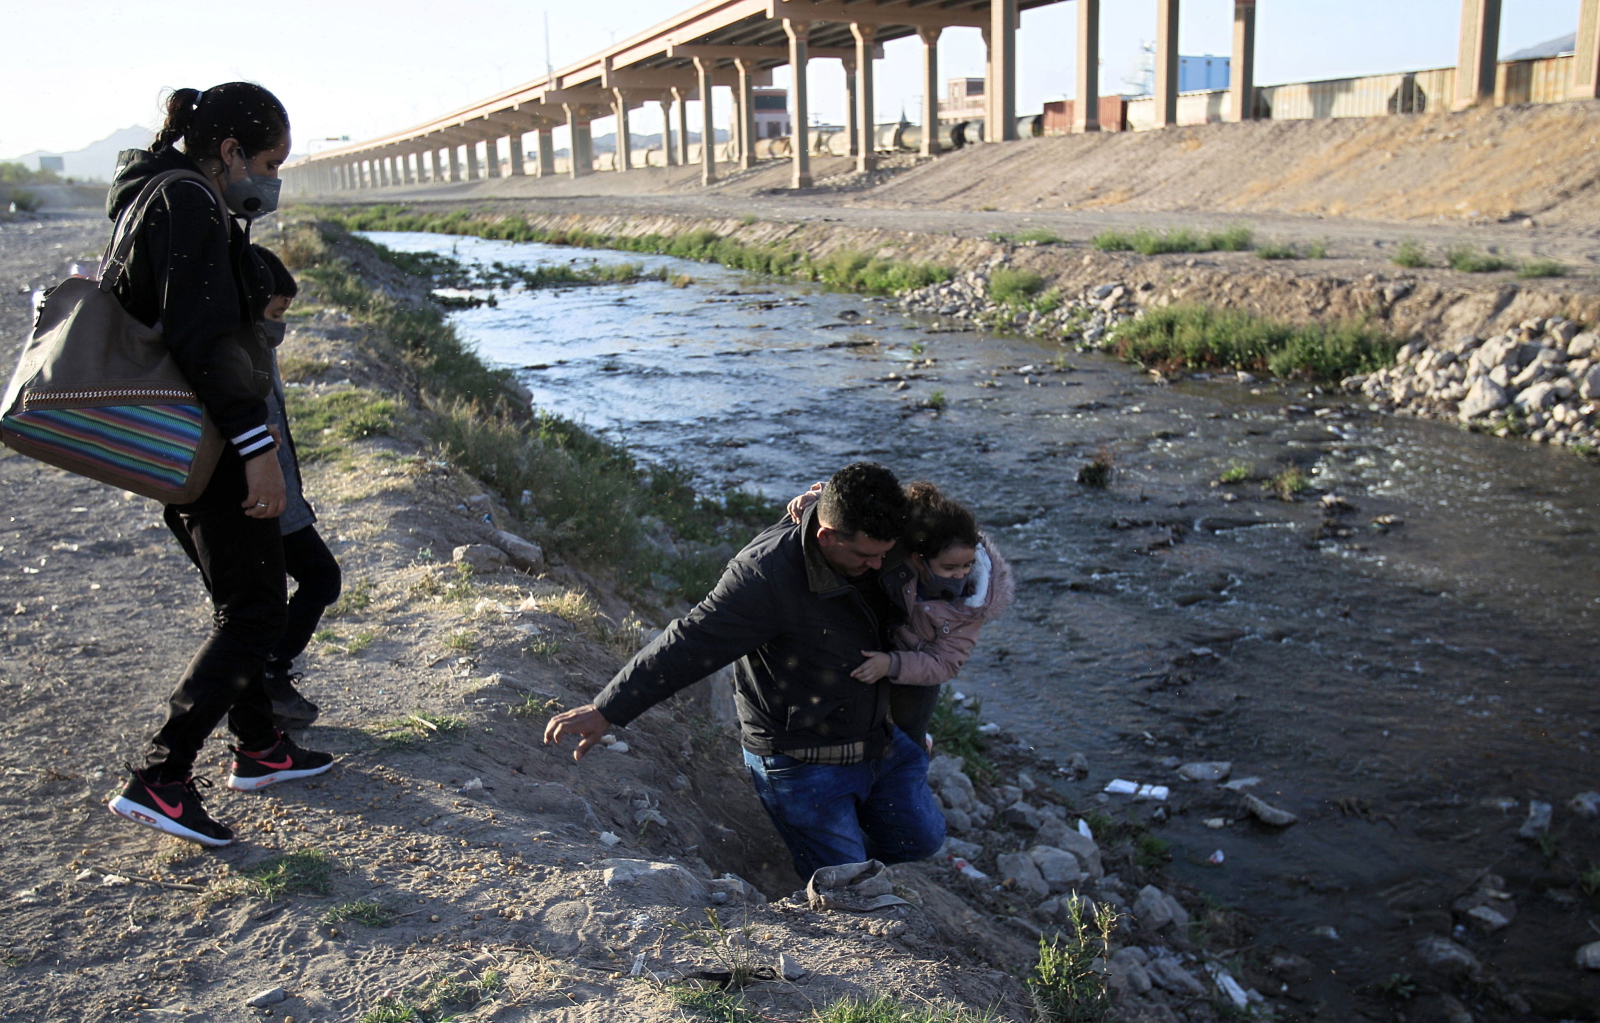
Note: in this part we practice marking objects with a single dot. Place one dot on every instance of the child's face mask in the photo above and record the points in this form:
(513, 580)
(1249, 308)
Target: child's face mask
(274, 331)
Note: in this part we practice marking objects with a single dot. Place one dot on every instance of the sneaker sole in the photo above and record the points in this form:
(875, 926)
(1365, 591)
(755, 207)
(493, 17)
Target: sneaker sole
(239, 784)
(129, 810)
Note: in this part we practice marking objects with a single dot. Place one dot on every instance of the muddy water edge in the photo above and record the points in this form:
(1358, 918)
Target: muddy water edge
(1405, 669)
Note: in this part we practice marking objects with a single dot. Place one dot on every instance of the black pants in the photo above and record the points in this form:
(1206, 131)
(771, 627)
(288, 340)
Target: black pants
(316, 574)
(241, 561)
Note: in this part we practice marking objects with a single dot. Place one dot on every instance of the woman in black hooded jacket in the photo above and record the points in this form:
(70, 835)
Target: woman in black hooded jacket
(191, 271)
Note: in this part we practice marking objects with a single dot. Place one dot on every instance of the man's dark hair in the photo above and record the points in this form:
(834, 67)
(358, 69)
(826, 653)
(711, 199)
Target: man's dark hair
(864, 497)
(283, 282)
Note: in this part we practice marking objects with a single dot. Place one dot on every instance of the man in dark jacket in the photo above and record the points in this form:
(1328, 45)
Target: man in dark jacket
(796, 609)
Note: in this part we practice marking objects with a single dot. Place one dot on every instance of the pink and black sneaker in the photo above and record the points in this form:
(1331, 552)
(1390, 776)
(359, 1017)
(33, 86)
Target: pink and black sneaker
(282, 761)
(173, 808)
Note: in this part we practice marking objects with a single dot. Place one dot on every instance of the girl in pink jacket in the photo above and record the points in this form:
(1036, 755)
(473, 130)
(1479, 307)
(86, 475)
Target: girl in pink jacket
(961, 582)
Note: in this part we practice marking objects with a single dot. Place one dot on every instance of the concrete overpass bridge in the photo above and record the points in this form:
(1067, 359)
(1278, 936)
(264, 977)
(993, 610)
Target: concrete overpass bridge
(736, 43)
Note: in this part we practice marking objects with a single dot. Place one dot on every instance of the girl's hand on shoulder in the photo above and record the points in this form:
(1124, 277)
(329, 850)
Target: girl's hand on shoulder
(798, 506)
(875, 667)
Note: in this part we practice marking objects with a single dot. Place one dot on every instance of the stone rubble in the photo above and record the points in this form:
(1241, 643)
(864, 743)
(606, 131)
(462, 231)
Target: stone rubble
(1087, 320)
(1540, 380)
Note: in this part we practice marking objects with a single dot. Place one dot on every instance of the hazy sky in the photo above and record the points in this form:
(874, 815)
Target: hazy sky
(357, 68)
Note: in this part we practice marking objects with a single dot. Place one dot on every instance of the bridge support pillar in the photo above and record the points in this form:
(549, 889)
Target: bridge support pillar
(1167, 62)
(1086, 108)
(930, 90)
(624, 153)
(852, 127)
(1242, 71)
(1000, 91)
(582, 159)
(866, 37)
(1480, 57)
(491, 158)
(1586, 61)
(680, 99)
(799, 33)
(669, 154)
(745, 113)
(473, 171)
(544, 153)
(455, 163)
(708, 123)
(436, 172)
(517, 168)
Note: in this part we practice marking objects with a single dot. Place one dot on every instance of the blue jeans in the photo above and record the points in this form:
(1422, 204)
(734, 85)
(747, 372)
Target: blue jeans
(827, 815)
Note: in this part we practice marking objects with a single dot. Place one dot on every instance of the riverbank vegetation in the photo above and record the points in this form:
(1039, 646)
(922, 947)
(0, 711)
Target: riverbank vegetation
(1237, 238)
(848, 270)
(582, 496)
(1200, 337)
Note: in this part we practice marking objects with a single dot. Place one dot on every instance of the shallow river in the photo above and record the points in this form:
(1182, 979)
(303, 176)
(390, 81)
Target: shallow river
(1405, 687)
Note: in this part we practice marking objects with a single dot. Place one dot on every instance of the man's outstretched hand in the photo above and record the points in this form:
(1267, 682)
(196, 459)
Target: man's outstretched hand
(587, 723)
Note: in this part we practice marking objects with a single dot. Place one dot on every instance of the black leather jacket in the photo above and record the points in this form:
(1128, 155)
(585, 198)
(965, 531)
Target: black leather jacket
(796, 629)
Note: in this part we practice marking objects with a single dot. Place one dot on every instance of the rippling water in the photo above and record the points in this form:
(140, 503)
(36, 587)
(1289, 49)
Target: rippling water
(1418, 669)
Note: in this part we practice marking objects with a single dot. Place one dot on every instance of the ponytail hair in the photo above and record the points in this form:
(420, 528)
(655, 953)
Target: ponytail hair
(937, 523)
(238, 110)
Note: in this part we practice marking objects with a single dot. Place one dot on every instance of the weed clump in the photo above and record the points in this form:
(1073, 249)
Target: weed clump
(1467, 259)
(1065, 985)
(1236, 472)
(1289, 483)
(303, 872)
(1535, 268)
(1410, 255)
(1237, 238)
(364, 911)
(1202, 337)
(955, 732)
(1011, 287)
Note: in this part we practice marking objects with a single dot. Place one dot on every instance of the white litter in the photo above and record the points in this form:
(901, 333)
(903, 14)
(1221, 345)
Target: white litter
(1083, 829)
(472, 785)
(1157, 792)
(638, 965)
(966, 869)
(1119, 787)
(608, 838)
(1229, 986)
(618, 747)
(1216, 858)
(989, 729)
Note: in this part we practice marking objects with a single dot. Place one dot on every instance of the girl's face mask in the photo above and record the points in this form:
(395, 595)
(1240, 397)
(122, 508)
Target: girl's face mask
(274, 331)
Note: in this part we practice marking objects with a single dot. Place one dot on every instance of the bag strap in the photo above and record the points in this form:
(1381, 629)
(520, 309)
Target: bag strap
(120, 247)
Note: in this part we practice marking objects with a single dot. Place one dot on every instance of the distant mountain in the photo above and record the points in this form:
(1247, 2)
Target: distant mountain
(96, 161)
(1548, 48)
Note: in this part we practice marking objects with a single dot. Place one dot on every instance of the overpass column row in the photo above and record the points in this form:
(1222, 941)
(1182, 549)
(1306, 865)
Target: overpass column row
(867, 153)
(799, 33)
(517, 168)
(438, 174)
(1000, 91)
(680, 98)
(544, 161)
(930, 90)
(491, 157)
(852, 107)
(1166, 62)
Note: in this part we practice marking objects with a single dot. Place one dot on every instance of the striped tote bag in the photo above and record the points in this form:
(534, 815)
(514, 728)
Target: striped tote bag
(97, 393)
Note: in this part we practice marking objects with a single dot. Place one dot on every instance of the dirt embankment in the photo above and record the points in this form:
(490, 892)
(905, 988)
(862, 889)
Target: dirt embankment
(450, 863)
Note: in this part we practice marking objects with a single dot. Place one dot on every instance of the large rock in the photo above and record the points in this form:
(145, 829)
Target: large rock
(1538, 398)
(1583, 346)
(1585, 804)
(480, 557)
(1151, 908)
(1447, 957)
(1020, 869)
(1589, 388)
(1484, 397)
(1167, 973)
(1057, 834)
(1538, 822)
(1588, 956)
(656, 884)
(1206, 770)
(525, 554)
(1268, 814)
(1023, 815)
(1060, 869)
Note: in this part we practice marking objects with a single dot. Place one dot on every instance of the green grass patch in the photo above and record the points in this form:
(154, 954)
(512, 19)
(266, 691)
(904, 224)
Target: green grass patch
(1237, 238)
(1065, 985)
(324, 421)
(1151, 852)
(356, 597)
(1469, 260)
(955, 732)
(1236, 472)
(887, 1009)
(1035, 236)
(365, 912)
(1289, 483)
(303, 872)
(1410, 255)
(1199, 337)
(415, 730)
(440, 998)
(712, 1004)
(1013, 287)
(1535, 268)
(359, 642)
(536, 705)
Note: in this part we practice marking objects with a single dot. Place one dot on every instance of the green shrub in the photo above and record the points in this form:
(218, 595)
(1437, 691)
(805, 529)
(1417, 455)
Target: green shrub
(1202, 337)
(1410, 255)
(304, 872)
(1278, 250)
(1035, 236)
(1541, 268)
(1237, 238)
(1065, 985)
(1013, 287)
(1467, 259)
(955, 732)
(24, 200)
